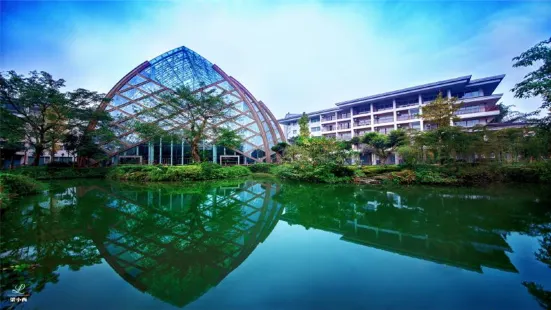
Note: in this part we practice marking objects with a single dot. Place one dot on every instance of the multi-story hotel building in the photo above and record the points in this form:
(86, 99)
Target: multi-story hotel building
(401, 108)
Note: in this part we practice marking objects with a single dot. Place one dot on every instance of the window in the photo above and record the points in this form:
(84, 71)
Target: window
(315, 120)
(362, 110)
(316, 129)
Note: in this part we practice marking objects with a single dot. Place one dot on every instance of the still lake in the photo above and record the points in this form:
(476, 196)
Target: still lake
(257, 244)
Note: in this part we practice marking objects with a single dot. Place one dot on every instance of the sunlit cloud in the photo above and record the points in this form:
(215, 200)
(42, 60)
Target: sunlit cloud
(298, 57)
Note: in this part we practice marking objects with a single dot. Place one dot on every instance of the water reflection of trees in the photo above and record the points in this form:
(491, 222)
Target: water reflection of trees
(466, 228)
(174, 243)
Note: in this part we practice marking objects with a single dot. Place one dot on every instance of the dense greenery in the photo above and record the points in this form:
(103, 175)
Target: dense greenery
(477, 174)
(46, 113)
(196, 172)
(316, 159)
(538, 82)
(52, 172)
(441, 111)
(199, 109)
(17, 185)
(384, 145)
(304, 125)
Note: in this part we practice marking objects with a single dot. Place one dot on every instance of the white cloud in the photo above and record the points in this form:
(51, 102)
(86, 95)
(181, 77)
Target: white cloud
(300, 57)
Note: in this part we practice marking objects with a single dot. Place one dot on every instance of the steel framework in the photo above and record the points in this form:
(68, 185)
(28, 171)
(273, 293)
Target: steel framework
(141, 90)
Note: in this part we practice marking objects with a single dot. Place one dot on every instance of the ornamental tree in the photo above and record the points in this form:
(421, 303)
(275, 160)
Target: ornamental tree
(384, 145)
(441, 111)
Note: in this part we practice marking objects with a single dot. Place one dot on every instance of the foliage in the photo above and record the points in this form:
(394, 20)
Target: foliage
(537, 82)
(376, 170)
(440, 111)
(199, 109)
(45, 111)
(304, 125)
(280, 148)
(12, 133)
(403, 177)
(196, 172)
(325, 173)
(261, 167)
(53, 172)
(12, 185)
(409, 155)
(228, 138)
(384, 145)
(429, 176)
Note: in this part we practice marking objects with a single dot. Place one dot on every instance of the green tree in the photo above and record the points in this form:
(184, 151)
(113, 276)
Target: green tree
(440, 111)
(384, 145)
(280, 148)
(303, 123)
(537, 82)
(45, 111)
(228, 139)
(200, 110)
(12, 134)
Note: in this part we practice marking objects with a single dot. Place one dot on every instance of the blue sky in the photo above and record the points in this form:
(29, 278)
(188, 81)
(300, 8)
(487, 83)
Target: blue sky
(294, 55)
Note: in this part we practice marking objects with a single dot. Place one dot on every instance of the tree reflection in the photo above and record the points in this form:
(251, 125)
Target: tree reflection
(465, 228)
(171, 242)
(543, 254)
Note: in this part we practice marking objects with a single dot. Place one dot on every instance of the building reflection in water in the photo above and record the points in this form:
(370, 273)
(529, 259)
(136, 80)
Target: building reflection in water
(461, 229)
(174, 243)
(176, 246)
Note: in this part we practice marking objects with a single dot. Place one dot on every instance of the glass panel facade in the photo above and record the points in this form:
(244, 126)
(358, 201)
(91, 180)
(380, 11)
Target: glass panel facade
(145, 87)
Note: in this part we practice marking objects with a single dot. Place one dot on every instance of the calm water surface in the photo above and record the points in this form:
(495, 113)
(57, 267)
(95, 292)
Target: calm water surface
(262, 245)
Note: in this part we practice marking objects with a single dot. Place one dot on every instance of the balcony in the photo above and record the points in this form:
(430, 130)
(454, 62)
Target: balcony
(362, 123)
(384, 120)
(343, 126)
(344, 115)
(329, 118)
(362, 112)
(405, 105)
(327, 129)
(385, 108)
(475, 109)
(344, 137)
(405, 117)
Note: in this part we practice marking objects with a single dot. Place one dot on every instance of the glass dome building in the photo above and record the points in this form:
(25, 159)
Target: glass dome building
(141, 89)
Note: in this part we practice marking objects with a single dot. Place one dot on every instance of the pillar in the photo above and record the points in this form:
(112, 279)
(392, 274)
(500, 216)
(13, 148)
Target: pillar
(373, 159)
(160, 151)
(182, 152)
(372, 118)
(151, 152)
(421, 112)
(449, 94)
(394, 113)
(137, 150)
(171, 152)
(214, 153)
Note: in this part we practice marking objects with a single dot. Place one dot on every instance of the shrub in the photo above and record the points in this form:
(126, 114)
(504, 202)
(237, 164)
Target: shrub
(49, 173)
(16, 185)
(426, 176)
(403, 177)
(375, 170)
(196, 172)
(261, 167)
(326, 173)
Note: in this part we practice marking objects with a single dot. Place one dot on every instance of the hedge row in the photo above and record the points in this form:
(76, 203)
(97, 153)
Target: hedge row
(52, 172)
(204, 171)
(472, 175)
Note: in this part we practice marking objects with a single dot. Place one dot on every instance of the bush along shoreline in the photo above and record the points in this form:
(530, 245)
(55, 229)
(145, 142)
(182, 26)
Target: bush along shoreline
(196, 172)
(49, 172)
(13, 186)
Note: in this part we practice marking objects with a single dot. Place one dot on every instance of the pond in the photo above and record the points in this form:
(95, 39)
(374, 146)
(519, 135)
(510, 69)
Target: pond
(262, 245)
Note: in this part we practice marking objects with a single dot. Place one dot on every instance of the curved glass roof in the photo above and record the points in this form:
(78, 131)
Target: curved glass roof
(142, 89)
